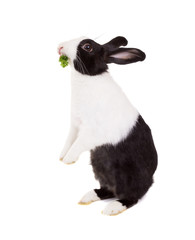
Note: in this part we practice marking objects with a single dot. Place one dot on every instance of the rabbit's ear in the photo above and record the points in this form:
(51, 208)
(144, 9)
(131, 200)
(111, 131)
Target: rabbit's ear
(125, 56)
(116, 43)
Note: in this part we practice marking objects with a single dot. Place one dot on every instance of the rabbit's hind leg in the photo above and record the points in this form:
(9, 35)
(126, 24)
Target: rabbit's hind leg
(95, 195)
(119, 206)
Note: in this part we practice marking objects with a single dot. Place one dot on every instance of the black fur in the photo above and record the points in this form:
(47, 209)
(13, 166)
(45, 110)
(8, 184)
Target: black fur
(95, 62)
(126, 169)
(115, 43)
(90, 63)
(104, 193)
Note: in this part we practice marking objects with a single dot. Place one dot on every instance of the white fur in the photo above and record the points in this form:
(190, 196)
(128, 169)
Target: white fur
(114, 208)
(89, 197)
(100, 111)
(69, 48)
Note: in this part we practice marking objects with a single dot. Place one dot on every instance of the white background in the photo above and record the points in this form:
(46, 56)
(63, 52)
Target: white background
(39, 194)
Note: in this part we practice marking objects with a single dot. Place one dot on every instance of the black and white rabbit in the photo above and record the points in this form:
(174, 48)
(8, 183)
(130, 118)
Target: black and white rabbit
(123, 155)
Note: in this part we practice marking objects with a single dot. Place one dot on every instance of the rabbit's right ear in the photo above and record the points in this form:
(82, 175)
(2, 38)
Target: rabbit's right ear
(115, 43)
(124, 56)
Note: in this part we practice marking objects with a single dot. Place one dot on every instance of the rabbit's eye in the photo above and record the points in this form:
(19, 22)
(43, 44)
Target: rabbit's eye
(87, 47)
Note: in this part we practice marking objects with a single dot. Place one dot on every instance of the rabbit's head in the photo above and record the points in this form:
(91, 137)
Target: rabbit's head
(91, 58)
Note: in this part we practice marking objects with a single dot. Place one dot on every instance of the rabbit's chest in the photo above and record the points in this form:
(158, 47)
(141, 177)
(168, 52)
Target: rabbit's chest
(89, 103)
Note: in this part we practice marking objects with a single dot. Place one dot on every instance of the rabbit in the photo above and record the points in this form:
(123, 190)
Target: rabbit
(104, 122)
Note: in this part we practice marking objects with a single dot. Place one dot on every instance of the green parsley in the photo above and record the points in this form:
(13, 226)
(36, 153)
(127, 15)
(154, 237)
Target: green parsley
(64, 61)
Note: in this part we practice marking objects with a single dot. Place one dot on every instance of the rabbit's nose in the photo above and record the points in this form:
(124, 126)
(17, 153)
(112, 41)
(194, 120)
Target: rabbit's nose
(59, 50)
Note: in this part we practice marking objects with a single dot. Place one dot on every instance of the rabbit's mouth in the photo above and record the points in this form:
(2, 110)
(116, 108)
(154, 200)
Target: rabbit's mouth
(60, 51)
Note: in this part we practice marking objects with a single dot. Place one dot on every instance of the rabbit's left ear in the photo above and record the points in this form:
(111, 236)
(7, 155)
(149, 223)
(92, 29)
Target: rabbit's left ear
(125, 56)
(115, 43)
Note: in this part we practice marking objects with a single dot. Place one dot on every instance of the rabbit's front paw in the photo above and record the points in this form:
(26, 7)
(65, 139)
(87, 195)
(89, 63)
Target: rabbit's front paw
(67, 160)
(61, 157)
(63, 153)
